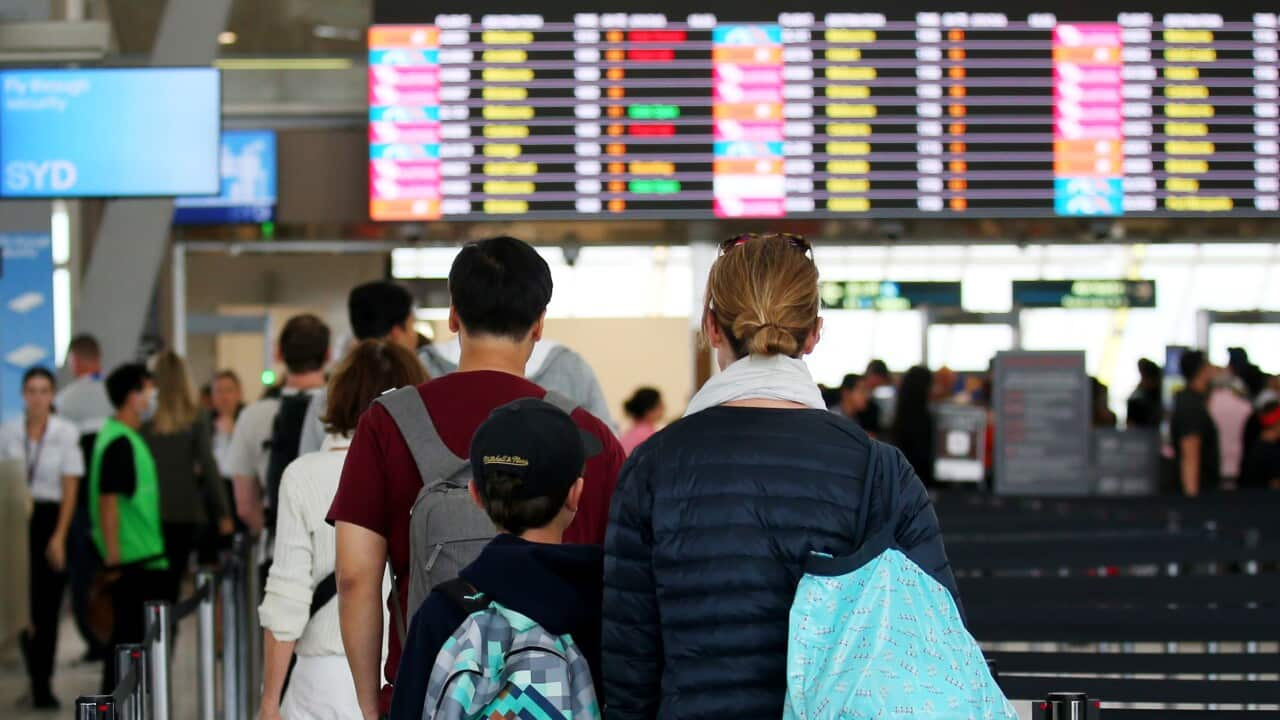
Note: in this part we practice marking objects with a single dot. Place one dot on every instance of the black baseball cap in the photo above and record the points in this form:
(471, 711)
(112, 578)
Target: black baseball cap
(536, 441)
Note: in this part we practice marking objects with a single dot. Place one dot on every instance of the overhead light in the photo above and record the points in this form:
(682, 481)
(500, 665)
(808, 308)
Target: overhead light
(283, 63)
(61, 314)
(227, 38)
(60, 233)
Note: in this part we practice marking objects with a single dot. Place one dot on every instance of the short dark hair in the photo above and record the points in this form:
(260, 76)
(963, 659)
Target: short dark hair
(830, 396)
(1191, 363)
(850, 381)
(304, 343)
(878, 367)
(370, 369)
(497, 491)
(642, 402)
(38, 371)
(1255, 380)
(375, 308)
(124, 381)
(227, 375)
(85, 346)
(499, 287)
(1237, 359)
(1148, 369)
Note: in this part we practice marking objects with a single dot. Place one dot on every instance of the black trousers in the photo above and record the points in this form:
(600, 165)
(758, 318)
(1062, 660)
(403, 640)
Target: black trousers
(83, 564)
(129, 595)
(47, 586)
(179, 542)
(83, 560)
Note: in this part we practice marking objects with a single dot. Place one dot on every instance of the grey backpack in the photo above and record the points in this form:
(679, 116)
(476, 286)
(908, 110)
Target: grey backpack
(446, 529)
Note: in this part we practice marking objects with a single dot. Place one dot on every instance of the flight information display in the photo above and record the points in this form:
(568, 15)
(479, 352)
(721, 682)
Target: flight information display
(1090, 294)
(889, 295)
(823, 114)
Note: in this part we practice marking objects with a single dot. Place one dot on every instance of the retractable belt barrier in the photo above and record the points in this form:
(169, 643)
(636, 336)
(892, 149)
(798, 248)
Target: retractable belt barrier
(1062, 592)
(1092, 577)
(144, 682)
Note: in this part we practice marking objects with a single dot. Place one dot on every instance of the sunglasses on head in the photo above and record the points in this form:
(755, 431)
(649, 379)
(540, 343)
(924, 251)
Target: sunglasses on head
(798, 242)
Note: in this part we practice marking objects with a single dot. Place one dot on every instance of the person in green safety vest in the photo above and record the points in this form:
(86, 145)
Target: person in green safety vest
(124, 509)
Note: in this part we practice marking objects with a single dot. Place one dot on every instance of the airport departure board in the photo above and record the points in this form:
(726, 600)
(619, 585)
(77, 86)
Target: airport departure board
(700, 115)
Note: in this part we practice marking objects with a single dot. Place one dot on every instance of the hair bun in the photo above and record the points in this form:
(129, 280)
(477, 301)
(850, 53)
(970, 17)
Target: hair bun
(763, 295)
(764, 338)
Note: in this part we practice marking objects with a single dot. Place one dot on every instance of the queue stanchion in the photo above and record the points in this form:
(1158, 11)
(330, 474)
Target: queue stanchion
(231, 632)
(132, 658)
(205, 658)
(1172, 570)
(159, 633)
(127, 708)
(252, 645)
(244, 570)
(96, 707)
(1251, 647)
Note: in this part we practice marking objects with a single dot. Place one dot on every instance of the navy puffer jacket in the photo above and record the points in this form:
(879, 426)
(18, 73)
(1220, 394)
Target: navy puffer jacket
(710, 525)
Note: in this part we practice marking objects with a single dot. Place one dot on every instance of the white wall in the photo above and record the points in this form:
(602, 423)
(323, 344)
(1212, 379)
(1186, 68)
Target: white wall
(315, 283)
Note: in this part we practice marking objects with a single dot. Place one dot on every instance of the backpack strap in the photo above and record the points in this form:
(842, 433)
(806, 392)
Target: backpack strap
(878, 485)
(562, 402)
(437, 464)
(324, 592)
(397, 614)
(870, 485)
(464, 595)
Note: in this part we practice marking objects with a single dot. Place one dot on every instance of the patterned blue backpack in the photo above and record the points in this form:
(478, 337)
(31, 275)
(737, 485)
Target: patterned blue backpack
(874, 636)
(501, 665)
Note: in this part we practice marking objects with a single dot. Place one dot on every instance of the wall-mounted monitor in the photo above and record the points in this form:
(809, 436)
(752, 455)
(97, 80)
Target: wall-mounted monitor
(119, 132)
(248, 195)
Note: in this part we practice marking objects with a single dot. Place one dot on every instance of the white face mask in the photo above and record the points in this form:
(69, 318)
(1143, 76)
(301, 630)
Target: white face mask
(152, 403)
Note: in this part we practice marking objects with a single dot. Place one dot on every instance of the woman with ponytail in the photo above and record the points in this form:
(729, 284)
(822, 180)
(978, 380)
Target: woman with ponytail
(715, 516)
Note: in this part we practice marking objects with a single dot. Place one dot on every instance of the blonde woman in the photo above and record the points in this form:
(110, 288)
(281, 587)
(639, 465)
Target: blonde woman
(715, 515)
(193, 500)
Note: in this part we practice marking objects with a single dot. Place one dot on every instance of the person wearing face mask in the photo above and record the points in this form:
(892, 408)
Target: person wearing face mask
(49, 448)
(124, 509)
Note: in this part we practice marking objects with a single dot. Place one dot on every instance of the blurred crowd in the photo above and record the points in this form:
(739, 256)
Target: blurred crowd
(136, 478)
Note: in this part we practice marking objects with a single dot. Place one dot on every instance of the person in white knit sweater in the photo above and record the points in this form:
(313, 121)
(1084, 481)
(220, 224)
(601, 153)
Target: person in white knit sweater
(299, 613)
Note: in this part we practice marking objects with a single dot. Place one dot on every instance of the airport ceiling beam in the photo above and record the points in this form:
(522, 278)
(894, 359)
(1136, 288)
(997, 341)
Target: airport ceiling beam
(120, 281)
(45, 42)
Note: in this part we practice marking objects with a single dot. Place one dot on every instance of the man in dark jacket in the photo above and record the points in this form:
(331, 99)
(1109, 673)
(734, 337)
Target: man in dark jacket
(711, 525)
(527, 461)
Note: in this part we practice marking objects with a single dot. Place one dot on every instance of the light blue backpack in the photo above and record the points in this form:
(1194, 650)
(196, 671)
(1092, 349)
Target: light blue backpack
(874, 636)
(500, 664)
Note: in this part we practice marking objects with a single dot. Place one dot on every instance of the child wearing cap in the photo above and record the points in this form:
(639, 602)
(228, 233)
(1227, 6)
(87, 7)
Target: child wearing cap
(527, 461)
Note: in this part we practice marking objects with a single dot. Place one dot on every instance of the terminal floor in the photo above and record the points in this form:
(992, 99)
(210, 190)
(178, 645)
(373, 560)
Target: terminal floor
(73, 677)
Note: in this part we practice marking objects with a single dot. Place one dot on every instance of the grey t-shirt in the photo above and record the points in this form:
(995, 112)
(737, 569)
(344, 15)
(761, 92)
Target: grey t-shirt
(85, 403)
(312, 427)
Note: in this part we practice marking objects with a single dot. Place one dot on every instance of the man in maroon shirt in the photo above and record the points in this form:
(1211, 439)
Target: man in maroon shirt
(499, 290)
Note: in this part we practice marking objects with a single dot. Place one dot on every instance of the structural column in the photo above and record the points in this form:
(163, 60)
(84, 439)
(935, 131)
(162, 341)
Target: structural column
(120, 279)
